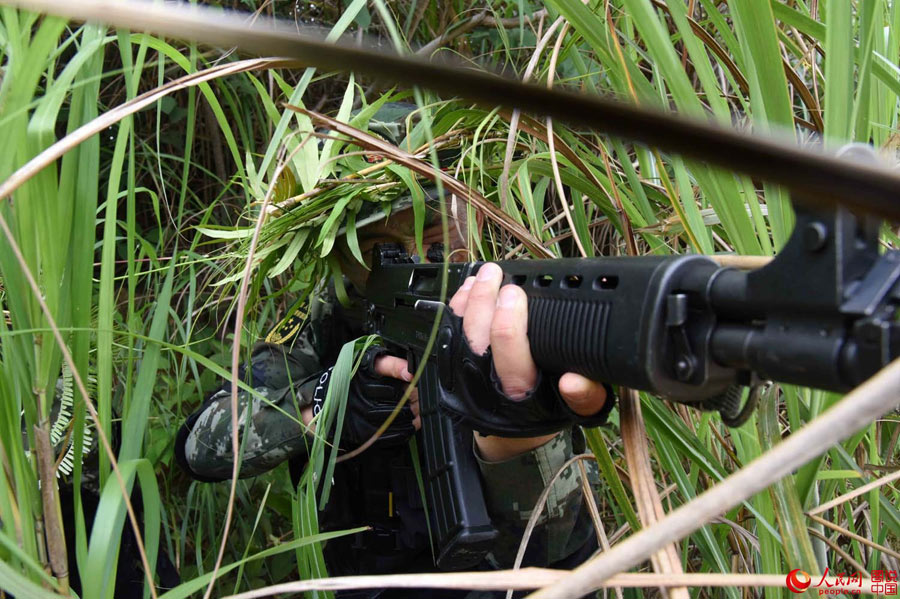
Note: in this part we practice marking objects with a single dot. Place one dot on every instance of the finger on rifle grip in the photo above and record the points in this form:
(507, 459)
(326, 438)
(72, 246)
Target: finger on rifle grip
(393, 367)
(461, 297)
(509, 343)
(480, 308)
(583, 396)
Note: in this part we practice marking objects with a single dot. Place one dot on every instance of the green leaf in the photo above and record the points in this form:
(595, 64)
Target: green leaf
(330, 148)
(278, 137)
(330, 228)
(290, 254)
(418, 202)
(598, 446)
(100, 573)
(788, 509)
(839, 53)
(138, 410)
(189, 587)
(16, 583)
(353, 241)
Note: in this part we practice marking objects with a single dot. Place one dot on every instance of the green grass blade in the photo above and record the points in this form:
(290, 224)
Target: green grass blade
(135, 424)
(100, 573)
(839, 54)
(798, 551)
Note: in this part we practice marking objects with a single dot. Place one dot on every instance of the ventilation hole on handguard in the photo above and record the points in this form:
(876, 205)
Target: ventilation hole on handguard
(606, 282)
(543, 281)
(572, 281)
(519, 280)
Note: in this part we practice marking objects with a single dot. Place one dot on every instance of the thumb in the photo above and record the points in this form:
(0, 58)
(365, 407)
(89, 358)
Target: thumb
(583, 396)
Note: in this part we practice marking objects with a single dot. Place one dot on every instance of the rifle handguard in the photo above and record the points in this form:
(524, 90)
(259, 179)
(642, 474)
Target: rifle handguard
(478, 398)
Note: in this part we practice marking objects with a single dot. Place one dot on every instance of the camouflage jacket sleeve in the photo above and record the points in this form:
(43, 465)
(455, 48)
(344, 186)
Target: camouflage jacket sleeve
(285, 378)
(512, 488)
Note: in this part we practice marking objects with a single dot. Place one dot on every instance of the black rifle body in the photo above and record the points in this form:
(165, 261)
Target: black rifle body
(822, 314)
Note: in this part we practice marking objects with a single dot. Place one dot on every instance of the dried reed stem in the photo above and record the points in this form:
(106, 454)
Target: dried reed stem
(529, 578)
(643, 485)
(82, 389)
(855, 493)
(53, 528)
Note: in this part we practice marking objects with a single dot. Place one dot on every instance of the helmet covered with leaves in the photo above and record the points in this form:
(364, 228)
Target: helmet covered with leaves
(415, 215)
(384, 193)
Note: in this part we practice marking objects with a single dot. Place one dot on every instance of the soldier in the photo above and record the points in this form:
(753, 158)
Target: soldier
(378, 488)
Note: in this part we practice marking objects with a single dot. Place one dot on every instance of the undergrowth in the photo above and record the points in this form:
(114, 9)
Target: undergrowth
(138, 238)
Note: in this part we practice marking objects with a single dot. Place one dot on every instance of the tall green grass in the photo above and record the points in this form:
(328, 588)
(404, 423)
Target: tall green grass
(138, 238)
(53, 220)
(109, 293)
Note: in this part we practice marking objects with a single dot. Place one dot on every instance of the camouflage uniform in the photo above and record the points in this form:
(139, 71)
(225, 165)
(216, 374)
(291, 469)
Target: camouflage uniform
(287, 376)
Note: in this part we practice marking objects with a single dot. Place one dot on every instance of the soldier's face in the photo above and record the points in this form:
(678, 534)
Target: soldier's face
(398, 229)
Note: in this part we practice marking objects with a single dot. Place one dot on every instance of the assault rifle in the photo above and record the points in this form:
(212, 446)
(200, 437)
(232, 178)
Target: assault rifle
(823, 314)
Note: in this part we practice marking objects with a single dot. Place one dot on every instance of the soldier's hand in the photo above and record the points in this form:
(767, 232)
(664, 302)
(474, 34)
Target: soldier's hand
(498, 318)
(398, 368)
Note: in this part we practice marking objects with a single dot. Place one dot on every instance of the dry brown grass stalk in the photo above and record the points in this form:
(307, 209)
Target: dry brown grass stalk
(643, 485)
(56, 151)
(529, 578)
(539, 508)
(236, 358)
(359, 176)
(516, 114)
(554, 161)
(858, 567)
(428, 170)
(849, 533)
(482, 19)
(856, 492)
(82, 390)
(53, 527)
(602, 538)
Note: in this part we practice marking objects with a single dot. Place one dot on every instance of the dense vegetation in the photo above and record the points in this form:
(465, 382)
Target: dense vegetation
(137, 239)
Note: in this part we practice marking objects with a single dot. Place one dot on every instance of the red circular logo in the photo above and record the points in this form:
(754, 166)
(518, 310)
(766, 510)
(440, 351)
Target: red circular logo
(798, 581)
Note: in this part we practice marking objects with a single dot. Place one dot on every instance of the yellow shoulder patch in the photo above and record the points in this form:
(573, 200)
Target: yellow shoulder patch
(289, 326)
